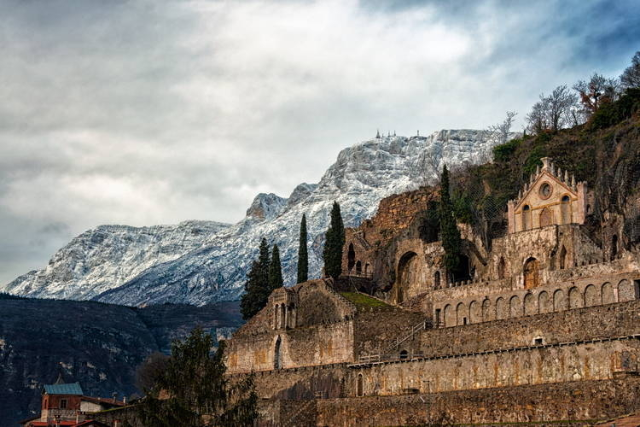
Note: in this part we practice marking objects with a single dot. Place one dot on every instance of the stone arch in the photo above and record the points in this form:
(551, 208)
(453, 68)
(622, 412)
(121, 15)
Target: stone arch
(526, 217)
(475, 312)
(502, 268)
(501, 309)
(531, 273)
(436, 280)
(575, 298)
(546, 217)
(607, 293)
(515, 307)
(351, 257)
(449, 316)
(487, 314)
(360, 385)
(563, 259)
(358, 268)
(544, 303)
(558, 300)
(565, 209)
(277, 354)
(614, 246)
(626, 291)
(283, 316)
(529, 305)
(407, 274)
(464, 271)
(462, 316)
(591, 296)
(291, 316)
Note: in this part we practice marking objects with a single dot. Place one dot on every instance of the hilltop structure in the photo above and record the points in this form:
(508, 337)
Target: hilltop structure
(539, 325)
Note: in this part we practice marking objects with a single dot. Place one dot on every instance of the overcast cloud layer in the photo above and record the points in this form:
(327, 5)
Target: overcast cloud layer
(148, 112)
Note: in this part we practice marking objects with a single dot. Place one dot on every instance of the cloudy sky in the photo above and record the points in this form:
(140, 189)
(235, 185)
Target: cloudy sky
(153, 112)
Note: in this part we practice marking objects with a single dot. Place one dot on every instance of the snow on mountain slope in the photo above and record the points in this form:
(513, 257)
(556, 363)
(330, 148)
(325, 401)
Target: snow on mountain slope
(110, 255)
(150, 265)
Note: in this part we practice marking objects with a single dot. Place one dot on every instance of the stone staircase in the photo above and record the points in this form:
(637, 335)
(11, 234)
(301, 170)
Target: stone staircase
(304, 415)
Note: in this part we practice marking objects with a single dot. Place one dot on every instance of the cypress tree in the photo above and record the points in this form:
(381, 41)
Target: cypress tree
(275, 270)
(257, 285)
(451, 240)
(264, 264)
(303, 255)
(335, 239)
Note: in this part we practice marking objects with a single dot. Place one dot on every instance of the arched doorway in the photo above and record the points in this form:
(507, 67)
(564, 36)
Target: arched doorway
(407, 275)
(351, 257)
(277, 361)
(565, 209)
(358, 268)
(546, 217)
(531, 274)
(563, 258)
(501, 268)
(360, 386)
(463, 271)
(366, 269)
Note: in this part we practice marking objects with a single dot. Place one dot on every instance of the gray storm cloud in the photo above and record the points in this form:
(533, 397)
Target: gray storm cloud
(153, 112)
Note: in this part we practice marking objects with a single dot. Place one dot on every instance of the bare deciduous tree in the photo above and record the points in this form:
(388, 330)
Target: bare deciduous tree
(597, 90)
(429, 167)
(630, 78)
(502, 130)
(554, 112)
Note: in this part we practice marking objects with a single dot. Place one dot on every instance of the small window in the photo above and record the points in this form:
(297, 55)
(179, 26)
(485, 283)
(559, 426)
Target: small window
(63, 403)
(538, 341)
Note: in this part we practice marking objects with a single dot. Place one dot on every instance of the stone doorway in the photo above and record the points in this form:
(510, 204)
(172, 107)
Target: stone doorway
(531, 274)
(277, 357)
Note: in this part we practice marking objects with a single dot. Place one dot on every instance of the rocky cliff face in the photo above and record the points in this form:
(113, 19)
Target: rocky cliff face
(201, 262)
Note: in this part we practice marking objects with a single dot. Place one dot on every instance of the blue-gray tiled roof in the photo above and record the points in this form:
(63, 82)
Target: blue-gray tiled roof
(73, 388)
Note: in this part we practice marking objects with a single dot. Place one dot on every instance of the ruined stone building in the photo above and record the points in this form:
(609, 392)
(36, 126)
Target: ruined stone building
(542, 323)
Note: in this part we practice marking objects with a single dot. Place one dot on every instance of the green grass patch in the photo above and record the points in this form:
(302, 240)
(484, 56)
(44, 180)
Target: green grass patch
(362, 300)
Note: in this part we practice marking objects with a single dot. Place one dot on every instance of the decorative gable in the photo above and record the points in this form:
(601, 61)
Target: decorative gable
(551, 197)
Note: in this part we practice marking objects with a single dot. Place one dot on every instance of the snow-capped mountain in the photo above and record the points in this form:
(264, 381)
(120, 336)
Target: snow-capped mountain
(200, 262)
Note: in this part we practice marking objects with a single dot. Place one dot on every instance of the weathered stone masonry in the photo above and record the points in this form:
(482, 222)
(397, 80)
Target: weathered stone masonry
(543, 324)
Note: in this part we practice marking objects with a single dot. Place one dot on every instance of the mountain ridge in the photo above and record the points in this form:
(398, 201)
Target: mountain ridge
(199, 262)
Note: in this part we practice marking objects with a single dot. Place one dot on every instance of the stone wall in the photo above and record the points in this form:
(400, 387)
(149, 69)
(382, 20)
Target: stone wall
(592, 323)
(578, 400)
(477, 306)
(291, 348)
(319, 330)
(592, 360)
(395, 214)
